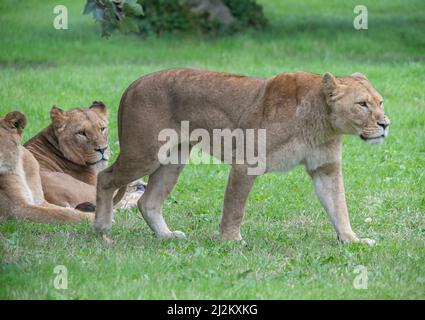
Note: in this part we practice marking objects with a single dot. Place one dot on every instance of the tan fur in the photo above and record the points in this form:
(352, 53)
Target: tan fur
(21, 193)
(69, 154)
(304, 114)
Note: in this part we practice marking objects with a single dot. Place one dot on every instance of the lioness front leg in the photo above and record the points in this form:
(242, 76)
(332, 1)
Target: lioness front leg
(237, 191)
(329, 187)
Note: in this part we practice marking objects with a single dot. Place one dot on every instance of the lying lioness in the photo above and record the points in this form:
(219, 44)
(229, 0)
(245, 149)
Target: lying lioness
(21, 194)
(71, 151)
(304, 116)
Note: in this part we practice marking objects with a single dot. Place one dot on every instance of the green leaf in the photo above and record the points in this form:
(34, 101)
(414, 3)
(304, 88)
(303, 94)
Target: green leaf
(131, 7)
(98, 14)
(128, 24)
(90, 6)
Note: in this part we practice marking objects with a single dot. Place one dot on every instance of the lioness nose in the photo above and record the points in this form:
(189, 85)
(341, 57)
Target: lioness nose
(101, 150)
(383, 124)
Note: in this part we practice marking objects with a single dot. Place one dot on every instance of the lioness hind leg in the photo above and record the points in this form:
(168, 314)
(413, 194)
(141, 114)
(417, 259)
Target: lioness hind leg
(108, 181)
(121, 173)
(105, 190)
(63, 190)
(49, 213)
(237, 191)
(160, 184)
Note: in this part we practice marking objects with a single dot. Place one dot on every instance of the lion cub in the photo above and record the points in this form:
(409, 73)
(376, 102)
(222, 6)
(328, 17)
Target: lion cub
(303, 115)
(21, 194)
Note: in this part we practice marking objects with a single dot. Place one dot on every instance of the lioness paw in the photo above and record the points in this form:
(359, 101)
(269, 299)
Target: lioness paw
(369, 242)
(107, 239)
(231, 236)
(101, 228)
(354, 239)
(179, 234)
(173, 234)
(89, 217)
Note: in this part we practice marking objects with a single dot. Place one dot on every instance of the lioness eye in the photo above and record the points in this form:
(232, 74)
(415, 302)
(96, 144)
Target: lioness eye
(103, 129)
(363, 104)
(81, 133)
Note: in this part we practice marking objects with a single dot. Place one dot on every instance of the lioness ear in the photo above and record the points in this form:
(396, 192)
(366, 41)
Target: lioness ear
(329, 84)
(58, 116)
(16, 120)
(100, 107)
(359, 75)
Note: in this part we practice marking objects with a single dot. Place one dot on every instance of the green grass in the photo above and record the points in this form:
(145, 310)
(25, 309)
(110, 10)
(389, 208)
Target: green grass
(291, 250)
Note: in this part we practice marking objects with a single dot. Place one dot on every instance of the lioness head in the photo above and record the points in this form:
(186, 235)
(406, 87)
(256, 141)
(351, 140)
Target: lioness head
(11, 127)
(356, 107)
(82, 134)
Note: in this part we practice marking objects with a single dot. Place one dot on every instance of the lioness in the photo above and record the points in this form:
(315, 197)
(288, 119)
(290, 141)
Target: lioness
(304, 115)
(71, 151)
(21, 194)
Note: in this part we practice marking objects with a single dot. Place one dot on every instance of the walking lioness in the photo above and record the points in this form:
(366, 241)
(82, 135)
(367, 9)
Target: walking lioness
(304, 116)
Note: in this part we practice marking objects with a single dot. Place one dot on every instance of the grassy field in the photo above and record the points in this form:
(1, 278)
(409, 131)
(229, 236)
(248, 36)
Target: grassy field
(291, 250)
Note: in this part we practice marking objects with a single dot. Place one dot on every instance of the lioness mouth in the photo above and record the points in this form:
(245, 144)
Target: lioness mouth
(371, 138)
(96, 162)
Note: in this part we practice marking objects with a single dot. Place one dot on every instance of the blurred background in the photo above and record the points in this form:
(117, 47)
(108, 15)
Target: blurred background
(41, 65)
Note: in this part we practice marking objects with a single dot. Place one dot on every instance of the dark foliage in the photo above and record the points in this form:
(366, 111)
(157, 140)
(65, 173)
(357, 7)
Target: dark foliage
(167, 16)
